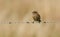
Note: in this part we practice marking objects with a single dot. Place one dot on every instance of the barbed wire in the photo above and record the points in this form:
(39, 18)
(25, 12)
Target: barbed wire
(26, 22)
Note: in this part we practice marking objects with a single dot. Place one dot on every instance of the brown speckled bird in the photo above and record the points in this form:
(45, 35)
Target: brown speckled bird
(36, 16)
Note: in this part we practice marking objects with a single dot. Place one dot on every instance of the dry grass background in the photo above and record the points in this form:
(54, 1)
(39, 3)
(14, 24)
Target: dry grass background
(20, 10)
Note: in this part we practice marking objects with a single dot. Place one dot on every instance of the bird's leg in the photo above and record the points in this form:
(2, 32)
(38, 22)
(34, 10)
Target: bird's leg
(33, 22)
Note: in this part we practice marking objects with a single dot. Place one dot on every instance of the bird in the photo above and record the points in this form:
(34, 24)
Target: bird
(36, 16)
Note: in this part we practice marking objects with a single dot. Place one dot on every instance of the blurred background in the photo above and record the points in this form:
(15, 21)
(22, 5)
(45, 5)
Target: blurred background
(15, 13)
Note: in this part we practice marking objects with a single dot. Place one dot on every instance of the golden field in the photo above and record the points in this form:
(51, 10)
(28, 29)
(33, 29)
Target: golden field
(18, 12)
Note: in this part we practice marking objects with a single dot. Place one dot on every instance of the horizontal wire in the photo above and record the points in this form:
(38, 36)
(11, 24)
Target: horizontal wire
(24, 22)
